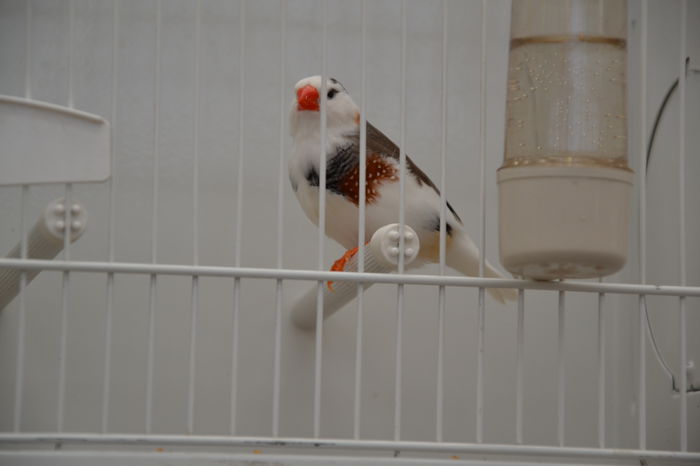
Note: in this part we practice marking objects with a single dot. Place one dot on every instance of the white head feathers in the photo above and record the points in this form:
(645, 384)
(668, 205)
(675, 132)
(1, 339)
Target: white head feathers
(342, 114)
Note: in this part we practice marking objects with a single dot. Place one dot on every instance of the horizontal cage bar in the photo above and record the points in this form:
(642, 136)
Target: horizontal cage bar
(346, 444)
(301, 274)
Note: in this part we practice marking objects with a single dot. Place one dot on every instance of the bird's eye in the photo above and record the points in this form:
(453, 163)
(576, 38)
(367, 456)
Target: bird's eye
(332, 93)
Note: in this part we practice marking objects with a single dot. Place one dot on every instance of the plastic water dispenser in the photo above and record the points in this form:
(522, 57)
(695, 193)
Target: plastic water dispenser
(565, 185)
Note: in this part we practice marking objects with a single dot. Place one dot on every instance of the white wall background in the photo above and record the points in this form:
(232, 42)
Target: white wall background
(221, 69)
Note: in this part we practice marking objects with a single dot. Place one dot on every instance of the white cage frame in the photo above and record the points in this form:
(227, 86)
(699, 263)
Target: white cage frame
(110, 268)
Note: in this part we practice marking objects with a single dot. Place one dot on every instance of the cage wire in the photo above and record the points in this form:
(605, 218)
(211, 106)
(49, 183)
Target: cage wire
(165, 326)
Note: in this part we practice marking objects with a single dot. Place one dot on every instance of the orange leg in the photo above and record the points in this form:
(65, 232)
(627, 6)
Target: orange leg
(339, 265)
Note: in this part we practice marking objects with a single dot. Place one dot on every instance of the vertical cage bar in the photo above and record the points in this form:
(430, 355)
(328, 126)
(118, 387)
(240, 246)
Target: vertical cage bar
(321, 223)
(282, 135)
(28, 52)
(195, 227)
(156, 135)
(681, 141)
(362, 195)
(399, 362)
(601, 371)
(482, 143)
(152, 291)
(641, 408)
(71, 36)
(195, 136)
(439, 408)
(152, 298)
(241, 135)
(107, 354)
(280, 228)
(64, 312)
(440, 373)
(322, 149)
(239, 219)
(111, 215)
(402, 221)
(112, 185)
(641, 393)
(192, 354)
(358, 362)
(482, 203)
(112, 195)
(65, 285)
(519, 363)
(233, 418)
(21, 316)
(561, 371)
(318, 360)
(682, 240)
(443, 141)
(361, 222)
(481, 326)
(683, 379)
(277, 362)
(70, 103)
(68, 196)
(402, 144)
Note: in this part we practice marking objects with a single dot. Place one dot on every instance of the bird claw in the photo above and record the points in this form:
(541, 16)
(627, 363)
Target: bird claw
(339, 265)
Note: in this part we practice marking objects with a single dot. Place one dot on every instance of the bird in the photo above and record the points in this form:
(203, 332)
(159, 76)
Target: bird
(422, 199)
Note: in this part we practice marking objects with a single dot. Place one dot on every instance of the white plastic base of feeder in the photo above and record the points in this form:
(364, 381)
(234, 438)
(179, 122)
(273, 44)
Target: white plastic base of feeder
(564, 222)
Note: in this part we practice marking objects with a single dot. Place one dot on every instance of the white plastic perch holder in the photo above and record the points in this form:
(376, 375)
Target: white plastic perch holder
(44, 241)
(381, 256)
(47, 143)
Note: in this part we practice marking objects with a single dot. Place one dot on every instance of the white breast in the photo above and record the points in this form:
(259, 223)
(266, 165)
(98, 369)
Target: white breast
(421, 208)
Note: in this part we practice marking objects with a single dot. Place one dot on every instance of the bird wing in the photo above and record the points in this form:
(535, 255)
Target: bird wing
(380, 144)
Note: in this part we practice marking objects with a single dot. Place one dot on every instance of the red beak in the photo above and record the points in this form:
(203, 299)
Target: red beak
(307, 98)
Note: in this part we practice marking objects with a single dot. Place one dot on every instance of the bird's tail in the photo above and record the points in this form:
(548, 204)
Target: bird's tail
(463, 255)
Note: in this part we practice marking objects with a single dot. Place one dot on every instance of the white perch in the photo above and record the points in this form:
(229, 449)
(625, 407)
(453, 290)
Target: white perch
(381, 256)
(44, 241)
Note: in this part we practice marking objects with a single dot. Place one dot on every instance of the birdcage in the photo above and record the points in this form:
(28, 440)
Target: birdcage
(159, 330)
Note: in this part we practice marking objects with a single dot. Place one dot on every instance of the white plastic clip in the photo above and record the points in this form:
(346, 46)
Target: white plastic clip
(381, 256)
(44, 241)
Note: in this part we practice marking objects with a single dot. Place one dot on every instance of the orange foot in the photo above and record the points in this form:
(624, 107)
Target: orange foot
(339, 265)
